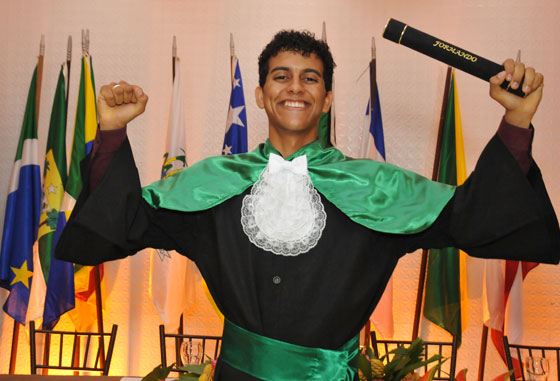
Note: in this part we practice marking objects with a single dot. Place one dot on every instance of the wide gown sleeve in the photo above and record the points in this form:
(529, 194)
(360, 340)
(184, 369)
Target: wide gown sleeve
(499, 212)
(113, 221)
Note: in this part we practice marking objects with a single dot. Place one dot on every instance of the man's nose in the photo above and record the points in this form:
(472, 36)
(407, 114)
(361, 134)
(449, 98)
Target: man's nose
(296, 85)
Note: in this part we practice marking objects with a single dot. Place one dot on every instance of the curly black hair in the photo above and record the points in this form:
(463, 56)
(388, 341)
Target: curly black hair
(303, 42)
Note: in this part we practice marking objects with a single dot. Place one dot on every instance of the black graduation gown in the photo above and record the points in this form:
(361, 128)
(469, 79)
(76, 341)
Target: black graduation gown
(321, 298)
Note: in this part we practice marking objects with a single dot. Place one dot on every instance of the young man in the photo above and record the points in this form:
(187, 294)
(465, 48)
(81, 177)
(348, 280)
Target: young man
(296, 241)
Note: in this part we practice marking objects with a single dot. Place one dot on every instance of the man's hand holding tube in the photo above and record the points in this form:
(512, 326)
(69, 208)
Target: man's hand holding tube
(519, 111)
(118, 104)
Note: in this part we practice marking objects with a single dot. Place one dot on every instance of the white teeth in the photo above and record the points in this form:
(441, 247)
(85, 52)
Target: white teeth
(294, 104)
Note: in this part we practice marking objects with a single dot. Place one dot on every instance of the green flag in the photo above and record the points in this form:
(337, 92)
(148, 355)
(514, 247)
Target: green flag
(445, 292)
(59, 275)
(54, 175)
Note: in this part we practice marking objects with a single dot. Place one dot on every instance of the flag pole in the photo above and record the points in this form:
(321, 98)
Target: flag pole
(173, 61)
(68, 64)
(484, 338)
(13, 353)
(372, 76)
(84, 51)
(324, 39)
(482, 357)
(15, 334)
(331, 118)
(231, 55)
(87, 41)
(372, 94)
(39, 75)
(424, 263)
(173, 56)
(96, 271)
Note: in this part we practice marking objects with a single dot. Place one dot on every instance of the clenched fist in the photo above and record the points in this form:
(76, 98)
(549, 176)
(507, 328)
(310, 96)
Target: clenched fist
(119, 103)
(519, 111)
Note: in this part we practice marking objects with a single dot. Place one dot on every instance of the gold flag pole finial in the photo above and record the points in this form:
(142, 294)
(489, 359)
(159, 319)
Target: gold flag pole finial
(42, 46)
(232, 56)
(69, 49)
(87, 41)
(67, 77)
(373, 57)
(83, 42)
(324, 33)
(40, 61)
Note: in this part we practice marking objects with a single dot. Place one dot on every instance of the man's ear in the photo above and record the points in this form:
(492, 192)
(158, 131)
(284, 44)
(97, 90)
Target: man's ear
(328, 101)
(259, 97)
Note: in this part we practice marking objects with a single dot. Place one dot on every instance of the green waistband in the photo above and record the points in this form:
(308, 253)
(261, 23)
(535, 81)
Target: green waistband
(269, 359)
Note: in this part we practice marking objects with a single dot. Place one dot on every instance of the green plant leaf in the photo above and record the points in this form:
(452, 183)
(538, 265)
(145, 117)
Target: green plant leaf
(194, 368)
(365, 366)
(158, 373)
(409, 368)
(508, 375)
(188, 376)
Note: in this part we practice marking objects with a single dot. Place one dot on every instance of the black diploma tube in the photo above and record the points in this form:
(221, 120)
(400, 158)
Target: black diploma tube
(445, 52)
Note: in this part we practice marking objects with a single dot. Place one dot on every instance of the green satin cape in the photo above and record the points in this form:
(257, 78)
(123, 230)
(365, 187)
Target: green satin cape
(379, 196)
(275, 360)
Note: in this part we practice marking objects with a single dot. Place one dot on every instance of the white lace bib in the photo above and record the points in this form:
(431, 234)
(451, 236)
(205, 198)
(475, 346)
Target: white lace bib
(284, 214)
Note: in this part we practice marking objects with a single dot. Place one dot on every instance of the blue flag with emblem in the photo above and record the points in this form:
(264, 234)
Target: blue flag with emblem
(21, 221)
(235, 140)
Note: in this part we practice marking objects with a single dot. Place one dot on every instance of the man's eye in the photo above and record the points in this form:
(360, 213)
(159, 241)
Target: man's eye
(311, 79)
(280, 77)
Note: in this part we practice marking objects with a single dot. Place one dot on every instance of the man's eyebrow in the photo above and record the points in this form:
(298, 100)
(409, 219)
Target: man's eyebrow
(309, 70)
(285, 68)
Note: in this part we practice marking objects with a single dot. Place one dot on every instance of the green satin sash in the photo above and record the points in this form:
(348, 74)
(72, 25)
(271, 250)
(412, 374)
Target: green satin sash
(269, 359)
(377, 195)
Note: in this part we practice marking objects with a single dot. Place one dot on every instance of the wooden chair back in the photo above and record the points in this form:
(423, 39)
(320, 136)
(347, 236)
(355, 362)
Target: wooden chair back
(198, 348)
(446, 349)
(521, 352)
(73, 351)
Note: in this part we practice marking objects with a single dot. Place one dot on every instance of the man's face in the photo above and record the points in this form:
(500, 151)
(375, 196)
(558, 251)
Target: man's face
(294, 94)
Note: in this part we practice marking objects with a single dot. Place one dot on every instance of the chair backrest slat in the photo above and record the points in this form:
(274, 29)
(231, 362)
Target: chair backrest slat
(442, 348)
(75, 349)
(199, 347)
(86, 354)
(70, 342)
(61, 345)
(523, 351)
(162, 346)
(47, 348)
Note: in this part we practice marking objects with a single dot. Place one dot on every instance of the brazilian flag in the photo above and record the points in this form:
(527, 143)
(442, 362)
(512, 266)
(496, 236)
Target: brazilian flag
(445, 294)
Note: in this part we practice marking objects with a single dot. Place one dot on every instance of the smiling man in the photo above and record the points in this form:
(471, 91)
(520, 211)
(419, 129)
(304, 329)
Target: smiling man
(295, 240)
(294, 95)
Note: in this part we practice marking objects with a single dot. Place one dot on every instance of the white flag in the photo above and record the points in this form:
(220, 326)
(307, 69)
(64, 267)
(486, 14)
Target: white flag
(172, 276)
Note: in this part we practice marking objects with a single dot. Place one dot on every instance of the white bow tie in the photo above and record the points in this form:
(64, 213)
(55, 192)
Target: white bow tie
(297, 166)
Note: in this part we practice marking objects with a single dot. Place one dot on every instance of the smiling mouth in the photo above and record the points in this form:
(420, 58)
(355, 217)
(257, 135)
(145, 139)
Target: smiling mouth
(294, 104)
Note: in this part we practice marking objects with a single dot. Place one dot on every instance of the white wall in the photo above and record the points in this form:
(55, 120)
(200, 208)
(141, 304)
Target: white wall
(131, 40)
